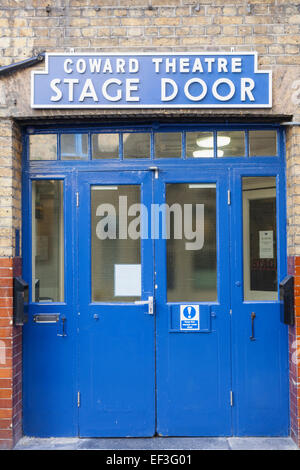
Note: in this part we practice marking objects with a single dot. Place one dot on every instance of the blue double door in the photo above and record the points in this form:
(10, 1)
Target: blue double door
(159, 336)
(145, 367)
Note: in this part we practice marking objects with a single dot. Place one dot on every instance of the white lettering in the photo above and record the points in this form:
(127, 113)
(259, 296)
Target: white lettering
(222, 65)
(164, 82)
(223, 97)
(209, 61)
(106, 84)
(184, 66)
(236, 64)
(81, 66)
(66, 63)
(157, 61)
(133, 65)
(247, 85)
(53, 85)
(131, 85)
(107, 67)
(71, 82)
(197, 67)
(88, 91)
(95, 65)
(120, 64)
(170, 64)
(189, 95)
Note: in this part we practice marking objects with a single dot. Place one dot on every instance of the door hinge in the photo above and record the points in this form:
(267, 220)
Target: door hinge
(229, 197)
(77, 199)
(78, 399)
(231, 398)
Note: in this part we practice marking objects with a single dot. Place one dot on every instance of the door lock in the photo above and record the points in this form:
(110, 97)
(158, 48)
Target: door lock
(149, 302)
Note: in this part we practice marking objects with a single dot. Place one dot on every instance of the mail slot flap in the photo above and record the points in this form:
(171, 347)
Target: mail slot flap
(46, 318)
(286, 290)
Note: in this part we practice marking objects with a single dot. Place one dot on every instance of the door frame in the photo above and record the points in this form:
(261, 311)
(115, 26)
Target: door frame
(85, 180)
(237, 271)
(66, 170)
(219, 318)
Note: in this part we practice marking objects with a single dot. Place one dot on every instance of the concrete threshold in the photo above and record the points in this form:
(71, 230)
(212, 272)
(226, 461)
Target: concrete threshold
(158, 443)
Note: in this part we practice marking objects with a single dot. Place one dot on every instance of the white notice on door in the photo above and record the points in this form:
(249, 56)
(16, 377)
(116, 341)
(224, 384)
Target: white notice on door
(266, 249)
(128, 280)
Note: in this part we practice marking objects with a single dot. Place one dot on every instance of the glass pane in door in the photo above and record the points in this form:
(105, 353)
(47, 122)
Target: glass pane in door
(191, 245)
(115, 256)
(259, 238)
(47, 241)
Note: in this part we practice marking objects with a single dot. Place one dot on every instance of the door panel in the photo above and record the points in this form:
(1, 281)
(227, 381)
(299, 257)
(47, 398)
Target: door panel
(49, 348)
(259, 339)
(116, 335)
(193, 366)
(193, 361)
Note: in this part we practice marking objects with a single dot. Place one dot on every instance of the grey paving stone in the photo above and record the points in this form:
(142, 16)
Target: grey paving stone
(53, 443)
(262, 443)
(156, 443)
(159, 443)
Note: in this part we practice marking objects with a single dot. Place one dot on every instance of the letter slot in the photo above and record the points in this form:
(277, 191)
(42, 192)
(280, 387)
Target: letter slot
(286, 288)
(20, 297)
(46, 318)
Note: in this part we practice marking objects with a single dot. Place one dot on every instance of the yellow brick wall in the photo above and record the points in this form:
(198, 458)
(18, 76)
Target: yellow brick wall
(10, 185)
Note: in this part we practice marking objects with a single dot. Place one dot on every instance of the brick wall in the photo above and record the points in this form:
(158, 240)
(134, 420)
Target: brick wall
(10, 358)
(10, 336)
(293, 219)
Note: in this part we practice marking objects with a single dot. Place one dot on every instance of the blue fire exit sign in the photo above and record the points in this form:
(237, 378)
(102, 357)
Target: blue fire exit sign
(176, 80)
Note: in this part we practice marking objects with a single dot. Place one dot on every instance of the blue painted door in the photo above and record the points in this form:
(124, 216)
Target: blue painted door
(116, 330)
(202, 364)
(50, 345)
(259, 339)
(193, 360)
(117, 339)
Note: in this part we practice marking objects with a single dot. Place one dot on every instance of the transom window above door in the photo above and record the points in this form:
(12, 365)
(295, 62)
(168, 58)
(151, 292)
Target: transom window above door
(192, 144)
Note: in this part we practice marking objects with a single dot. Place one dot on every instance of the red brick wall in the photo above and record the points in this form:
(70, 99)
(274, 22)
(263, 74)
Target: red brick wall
(10, 358)
(294, 337)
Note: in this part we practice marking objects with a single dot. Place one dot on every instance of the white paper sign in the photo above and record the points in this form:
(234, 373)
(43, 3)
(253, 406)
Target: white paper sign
(128, 280)
(266, 249)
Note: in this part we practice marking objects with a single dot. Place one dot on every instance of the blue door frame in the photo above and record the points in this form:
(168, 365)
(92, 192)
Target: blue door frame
(51, 363)
(259, 392)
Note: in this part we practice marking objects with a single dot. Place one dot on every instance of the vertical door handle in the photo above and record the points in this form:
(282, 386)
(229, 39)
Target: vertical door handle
(63, 321)
(252, 337)
(149, 302)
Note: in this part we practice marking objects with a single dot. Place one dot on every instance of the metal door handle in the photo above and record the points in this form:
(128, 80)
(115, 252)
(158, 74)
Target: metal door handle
(63, 321)
(149, 302)
(252, 337)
